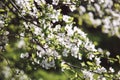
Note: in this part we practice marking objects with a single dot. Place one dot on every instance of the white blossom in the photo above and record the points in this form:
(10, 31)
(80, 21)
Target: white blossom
(46, 64)
(6, 72)
(69, 30)
(119, 72)
(97, 60)
(91, 56)
(67, 18)
(65, 52)
(88, 74)
(1, 23)
(97, 7)
(66, 2)
(101, 1)
(24, 55)
(74, 51)
(108, 3)
(89, 46)
(96, 22)
(21, 43)
(55, 15)
(82, 9)
(55, 2)
(72, 7)
(111, 69)
(101, 78)
(101, 70)
(108, 53)
(37, 30)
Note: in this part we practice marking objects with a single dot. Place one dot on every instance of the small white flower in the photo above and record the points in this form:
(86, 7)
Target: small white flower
(89, 46)
(36, 61)
(79, 42)
(82, 9)
(67, 18)
(119, 72)
(100, 50)
(55, 2)
(55, 54)
(55, 15)
(101, 78)
(46, 64)
(40, 51)
(88, 75)
(66, 2)
(108, 3)
(97, 22)
(37, 30)
(111, 69)
(79, 56)
(6, 33)
(21, 43)
(72, 7)
(97, 60)
(65, 52)
(92, 0)
(101, 70)
(69, 30)
(22, 55)
(101, 1)
(116, 23)
(1, 23)
(108, 53)
(97, 7)
(57, 27)
(6, 72)
(74, 51)
(26, 55)
(91, 56)
(25, 24)
(21, 34)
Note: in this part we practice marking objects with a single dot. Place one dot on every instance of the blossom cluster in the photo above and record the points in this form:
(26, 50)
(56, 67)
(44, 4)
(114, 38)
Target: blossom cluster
(50, 36)
(7, 74)
(104, 14)
(3, 35)
(60, 41)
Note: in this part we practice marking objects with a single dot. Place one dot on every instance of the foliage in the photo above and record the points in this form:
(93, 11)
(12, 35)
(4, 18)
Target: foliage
(57, 36)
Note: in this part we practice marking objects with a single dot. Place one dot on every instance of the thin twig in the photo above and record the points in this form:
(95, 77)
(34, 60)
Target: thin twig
(12, 69)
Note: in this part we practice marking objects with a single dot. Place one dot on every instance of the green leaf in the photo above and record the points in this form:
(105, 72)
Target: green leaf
(43, 42)
(89, 63)
(64, 66)
(2, 10)
(80, 21)
(96, 76)
(86, 18)
(83, 64)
